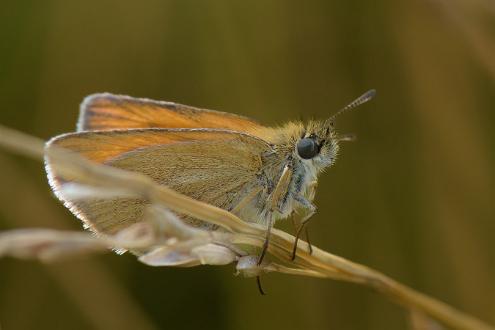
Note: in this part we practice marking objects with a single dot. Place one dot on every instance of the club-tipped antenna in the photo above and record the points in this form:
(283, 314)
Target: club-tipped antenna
(357, 102)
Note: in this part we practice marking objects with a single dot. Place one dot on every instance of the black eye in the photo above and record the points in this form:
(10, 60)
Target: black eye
(307, 148)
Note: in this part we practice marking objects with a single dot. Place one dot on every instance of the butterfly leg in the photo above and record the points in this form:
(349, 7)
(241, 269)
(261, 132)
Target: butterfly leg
(311, 211)
(312, 191)
(263, 252)
(258, 283)
(277, 195)
(267, 240)
(310, 246)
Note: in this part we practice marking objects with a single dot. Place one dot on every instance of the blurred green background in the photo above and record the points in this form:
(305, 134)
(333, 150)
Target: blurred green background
(412, 197)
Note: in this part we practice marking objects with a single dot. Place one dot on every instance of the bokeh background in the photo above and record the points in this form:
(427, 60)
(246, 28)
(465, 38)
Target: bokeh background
(412, 197)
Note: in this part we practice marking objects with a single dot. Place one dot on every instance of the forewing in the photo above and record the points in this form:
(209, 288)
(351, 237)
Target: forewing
(217, 167)
(103, 146)
(108, 111)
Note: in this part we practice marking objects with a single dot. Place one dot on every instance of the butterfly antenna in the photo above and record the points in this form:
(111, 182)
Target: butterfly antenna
(357, 102)
(346, 137)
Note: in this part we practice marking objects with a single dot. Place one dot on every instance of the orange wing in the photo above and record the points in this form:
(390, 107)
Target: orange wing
(215, 166)
(102, 146)
(108, 111)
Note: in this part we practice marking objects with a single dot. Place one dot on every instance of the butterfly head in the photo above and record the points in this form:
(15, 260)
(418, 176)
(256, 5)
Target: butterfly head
(318, 141)
(317, 144)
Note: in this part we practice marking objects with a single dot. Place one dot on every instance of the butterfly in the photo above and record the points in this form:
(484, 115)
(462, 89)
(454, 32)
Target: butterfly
(261, 174)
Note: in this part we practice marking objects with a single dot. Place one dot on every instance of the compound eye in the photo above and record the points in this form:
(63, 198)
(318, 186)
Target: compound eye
(307, 148)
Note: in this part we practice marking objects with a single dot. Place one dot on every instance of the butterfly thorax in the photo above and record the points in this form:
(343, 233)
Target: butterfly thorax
(297, 190)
